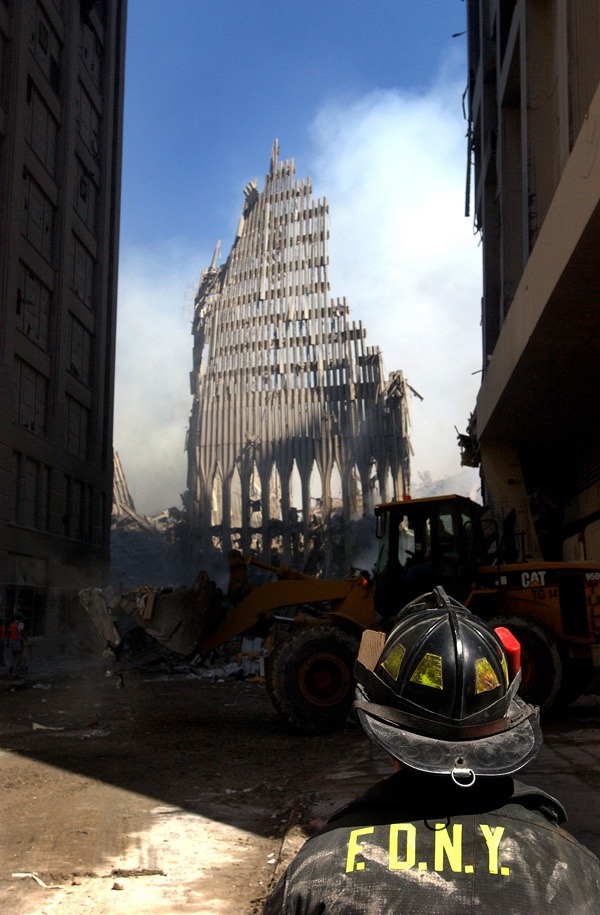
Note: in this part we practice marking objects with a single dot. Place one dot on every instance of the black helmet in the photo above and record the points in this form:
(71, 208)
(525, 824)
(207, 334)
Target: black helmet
(440, 693)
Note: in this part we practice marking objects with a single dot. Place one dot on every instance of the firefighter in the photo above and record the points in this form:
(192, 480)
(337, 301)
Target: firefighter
(450, 829)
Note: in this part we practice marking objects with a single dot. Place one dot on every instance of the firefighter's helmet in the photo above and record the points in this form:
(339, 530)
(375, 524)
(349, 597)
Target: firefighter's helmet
(440, 693)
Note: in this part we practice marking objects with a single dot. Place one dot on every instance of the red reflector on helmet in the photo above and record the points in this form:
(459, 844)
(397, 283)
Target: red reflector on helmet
(512, 648)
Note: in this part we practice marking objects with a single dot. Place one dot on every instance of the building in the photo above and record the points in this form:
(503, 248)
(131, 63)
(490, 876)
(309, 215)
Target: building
(534, 112)
(61, 110)
(294, 432)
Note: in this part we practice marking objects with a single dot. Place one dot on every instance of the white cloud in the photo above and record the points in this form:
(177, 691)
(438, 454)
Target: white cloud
(393, 168)
(154, 359)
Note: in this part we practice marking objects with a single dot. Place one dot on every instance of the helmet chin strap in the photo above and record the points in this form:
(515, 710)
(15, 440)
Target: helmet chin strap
(464, 778)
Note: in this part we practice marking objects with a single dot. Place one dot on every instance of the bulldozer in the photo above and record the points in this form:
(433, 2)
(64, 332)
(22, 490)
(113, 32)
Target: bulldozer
(312, 626)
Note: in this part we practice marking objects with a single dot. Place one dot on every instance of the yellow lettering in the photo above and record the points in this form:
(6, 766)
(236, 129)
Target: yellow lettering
(411, 846)
(355, 848)
(450, 847)
(492, 838)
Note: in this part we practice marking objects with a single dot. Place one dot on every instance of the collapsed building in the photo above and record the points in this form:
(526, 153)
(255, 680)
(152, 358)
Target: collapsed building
(144, 549)
(294, 431)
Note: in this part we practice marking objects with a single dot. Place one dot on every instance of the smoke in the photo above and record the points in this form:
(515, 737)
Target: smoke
(154, 359)
(393, 168)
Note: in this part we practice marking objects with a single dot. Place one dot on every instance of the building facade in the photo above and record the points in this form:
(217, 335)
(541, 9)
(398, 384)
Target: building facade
(61, 111)
(534, 112)
(294, 432)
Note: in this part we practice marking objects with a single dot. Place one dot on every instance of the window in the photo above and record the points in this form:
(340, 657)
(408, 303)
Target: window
(30, 492)
(41, 128)
(33, 307)
(37, 223)
(80, 348)
(91, 51)
(83, 272)
(77, 428)
(3, 44)
(46, 48)
(78, 510)
(43, 36)
(30, 400)
(88, 121)
(85, 195)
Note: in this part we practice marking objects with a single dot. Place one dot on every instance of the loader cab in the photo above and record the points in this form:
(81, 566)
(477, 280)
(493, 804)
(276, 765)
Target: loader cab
(424, 543)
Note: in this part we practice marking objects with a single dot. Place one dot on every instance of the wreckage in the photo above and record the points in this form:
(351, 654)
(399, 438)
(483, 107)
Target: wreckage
(311, 627)
(294, 432)
(303, 620)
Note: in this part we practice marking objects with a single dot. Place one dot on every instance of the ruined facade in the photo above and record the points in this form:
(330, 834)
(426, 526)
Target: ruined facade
(294, 432)
(534, 109)
(61, 104)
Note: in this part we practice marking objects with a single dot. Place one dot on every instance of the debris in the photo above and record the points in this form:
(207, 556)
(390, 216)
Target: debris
(46, 727)
(95, 732)
(34, 876)
(175, 617)
(143, 547)
(117, 886)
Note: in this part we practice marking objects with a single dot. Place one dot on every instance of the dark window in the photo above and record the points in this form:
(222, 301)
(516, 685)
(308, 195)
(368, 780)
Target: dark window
(83, 272)
(38, 217)
(30, 488)
(77, 428)
(30, 397)
(80, 349)
(33, 307)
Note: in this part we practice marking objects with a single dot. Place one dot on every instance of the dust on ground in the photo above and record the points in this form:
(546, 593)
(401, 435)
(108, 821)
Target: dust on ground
(177, 794)
(172, 794)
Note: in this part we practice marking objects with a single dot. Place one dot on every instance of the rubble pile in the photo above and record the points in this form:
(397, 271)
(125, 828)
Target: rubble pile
(146, 548)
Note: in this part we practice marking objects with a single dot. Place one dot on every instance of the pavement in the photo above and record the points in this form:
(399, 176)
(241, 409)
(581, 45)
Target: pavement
(181, 794)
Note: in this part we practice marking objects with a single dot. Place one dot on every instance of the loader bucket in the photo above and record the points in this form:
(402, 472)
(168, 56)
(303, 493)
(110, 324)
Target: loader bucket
(175, 619)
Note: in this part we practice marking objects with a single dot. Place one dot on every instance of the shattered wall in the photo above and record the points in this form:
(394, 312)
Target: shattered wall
(294, 431)
(145, 549)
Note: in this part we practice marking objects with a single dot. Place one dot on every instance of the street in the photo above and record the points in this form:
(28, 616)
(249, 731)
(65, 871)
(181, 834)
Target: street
(176, 794)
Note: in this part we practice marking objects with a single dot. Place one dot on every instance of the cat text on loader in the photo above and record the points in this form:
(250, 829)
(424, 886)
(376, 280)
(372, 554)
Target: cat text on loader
(553, 608)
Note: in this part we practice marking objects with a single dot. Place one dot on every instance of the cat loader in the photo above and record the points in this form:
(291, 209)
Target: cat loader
(312, 626)
(552, 608)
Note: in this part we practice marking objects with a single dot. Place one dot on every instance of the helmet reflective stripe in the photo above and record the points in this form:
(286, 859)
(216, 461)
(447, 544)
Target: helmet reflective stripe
(428, 671)
(485, 678)
(393, 660)
(504, 666)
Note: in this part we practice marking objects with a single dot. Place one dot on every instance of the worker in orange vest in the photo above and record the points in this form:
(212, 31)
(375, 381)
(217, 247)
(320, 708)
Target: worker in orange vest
(16, 643)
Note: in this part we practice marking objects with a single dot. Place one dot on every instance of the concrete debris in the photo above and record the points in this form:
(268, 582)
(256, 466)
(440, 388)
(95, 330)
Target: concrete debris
(38, 880)
(146, 626)
(147, 548)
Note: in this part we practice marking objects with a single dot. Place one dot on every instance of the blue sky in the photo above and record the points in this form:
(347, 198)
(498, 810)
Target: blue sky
(366, 96)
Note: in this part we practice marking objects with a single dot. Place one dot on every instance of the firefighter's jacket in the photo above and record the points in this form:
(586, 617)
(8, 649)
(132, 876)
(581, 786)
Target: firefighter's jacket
(416, 843)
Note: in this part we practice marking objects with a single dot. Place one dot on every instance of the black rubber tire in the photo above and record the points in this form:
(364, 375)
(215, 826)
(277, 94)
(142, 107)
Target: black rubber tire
(541, 661)
(310, 678)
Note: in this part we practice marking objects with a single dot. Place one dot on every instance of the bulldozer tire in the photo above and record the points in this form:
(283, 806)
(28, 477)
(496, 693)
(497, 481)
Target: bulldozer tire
(310, 678)
(541, 662)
